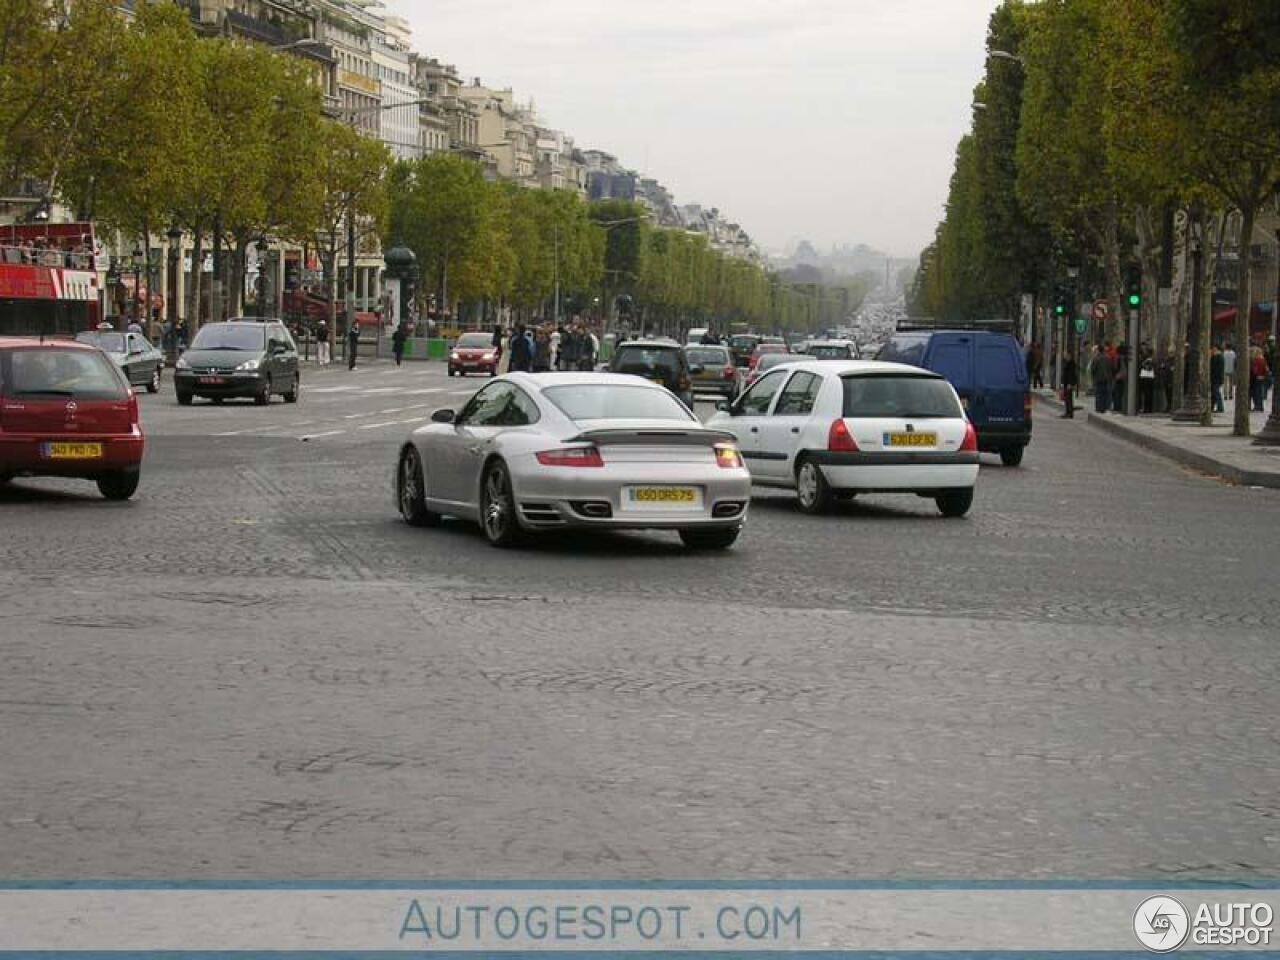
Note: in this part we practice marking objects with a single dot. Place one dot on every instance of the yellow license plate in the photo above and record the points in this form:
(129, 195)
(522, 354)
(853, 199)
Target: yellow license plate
(913, 440)
(75, 451)
(664, 495)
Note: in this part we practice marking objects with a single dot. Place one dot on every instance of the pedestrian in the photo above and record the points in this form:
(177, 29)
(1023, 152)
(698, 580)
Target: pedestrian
(1035, 366)
(134, 326)
(592, 347)
(180, 336)
(1229, 370)
(1120, 380)
(521, 348)
(1217, 366)
(569, 346)
(1102, 370)
(1070, 379)
(499, 337)
(1271, 354)
(398, 337)
(1164, 376)
(542, 350)
(557, 336)
(1258, 372)
(322, 344)
(353, 343)
(1147, 385)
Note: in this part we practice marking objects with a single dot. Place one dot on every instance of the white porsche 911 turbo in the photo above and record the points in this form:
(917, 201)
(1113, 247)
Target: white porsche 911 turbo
(550, 451)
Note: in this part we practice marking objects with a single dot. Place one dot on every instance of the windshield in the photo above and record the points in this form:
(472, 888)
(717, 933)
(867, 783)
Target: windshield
(230, 336)
(773, 359)
(743, 342)
(78, 374)
(882, 395)
(830, 351)
(646, 359)
(110, 342)
(475, 341)
(707, 356)
(616, 402)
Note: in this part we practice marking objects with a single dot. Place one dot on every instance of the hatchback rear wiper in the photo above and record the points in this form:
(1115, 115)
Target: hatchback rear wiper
(46, 393)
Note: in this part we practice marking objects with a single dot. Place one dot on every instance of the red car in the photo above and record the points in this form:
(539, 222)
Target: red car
(763, 349)
(67, 411)
(473, 353)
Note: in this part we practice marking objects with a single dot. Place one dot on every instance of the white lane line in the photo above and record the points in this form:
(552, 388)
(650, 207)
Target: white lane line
(375, 426)
(342, 389)
(317, 436)
(414, 420)
(423, 392)
(393, 410)
(356, 416)
(374, 391)
(238, 433)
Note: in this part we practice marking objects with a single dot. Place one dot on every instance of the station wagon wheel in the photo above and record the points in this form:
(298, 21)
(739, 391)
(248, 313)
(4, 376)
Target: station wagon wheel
(812, 491)
(263, 396)
(498, 506)
(413, 492)
(153, 385)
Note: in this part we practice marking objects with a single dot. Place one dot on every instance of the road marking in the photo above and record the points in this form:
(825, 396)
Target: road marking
(375, 426)
(317, 436)
(342, 389)
(373, 391)
(422, 392)
(237, 433)
(356, 416)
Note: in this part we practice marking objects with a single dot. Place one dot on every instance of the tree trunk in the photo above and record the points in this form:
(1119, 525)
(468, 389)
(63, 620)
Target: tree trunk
(1149, 252)
(1244, 303)
(1117, 316)
(235, 295)
(194, 311)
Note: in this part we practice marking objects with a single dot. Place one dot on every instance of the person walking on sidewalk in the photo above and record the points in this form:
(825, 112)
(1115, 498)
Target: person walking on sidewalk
(1070, 378)
(1229, 371)
(1103, 372)
(1147, 383)
(1217, 373)
(353, 344)
(397, 342)
(322, 344)
(1258, 372)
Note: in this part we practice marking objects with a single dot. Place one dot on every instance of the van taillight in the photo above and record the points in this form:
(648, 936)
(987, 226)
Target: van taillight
(970, 443)
(839, 438)
(1026, 405)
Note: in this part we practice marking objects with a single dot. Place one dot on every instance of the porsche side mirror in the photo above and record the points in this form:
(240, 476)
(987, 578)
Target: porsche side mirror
(443, 416)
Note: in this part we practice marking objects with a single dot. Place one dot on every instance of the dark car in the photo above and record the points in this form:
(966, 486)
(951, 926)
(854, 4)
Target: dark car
(133, 353)
(67, 411)
(240, 358)
(662, 361)
(990, 375)
(743, 345)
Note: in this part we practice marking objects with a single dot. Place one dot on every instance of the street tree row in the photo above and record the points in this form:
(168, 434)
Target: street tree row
(1098, 124)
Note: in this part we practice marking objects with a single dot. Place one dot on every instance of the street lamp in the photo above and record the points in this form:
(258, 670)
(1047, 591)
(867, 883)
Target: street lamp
(1006, 55)
(296, 44)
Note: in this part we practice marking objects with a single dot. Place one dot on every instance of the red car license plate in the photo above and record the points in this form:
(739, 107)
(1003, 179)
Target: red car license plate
(213, 380)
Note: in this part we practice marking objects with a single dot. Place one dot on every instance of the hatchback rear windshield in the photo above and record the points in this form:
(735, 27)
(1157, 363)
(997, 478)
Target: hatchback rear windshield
(707, 356)
(832, 351)
(918, 397)
(75, 374)
(743, 342)
(110, 342)
(616, 402)
(770, 360)
(230, 336)
(475, 341)
(643, 359)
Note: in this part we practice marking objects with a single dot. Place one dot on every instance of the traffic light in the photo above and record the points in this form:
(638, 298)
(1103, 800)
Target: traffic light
(1059, 301)
(1133, 286)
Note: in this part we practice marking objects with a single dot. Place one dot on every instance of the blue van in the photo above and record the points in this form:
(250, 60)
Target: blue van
(989, 372)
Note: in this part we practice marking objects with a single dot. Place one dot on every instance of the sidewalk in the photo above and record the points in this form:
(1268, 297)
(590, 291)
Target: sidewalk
(1212, 450)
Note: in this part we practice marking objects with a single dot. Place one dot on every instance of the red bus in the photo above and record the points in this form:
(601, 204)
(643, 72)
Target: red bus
(49, 281)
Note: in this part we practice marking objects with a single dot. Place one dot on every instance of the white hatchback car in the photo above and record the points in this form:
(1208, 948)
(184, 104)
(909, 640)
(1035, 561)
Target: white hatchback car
(833, 429)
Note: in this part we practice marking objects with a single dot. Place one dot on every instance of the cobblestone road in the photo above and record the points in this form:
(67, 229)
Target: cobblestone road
(255, 670)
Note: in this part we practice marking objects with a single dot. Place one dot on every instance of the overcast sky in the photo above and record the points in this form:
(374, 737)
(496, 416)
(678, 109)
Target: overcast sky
(831, 120)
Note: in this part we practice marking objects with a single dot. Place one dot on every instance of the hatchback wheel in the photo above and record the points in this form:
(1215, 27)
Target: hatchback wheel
(955, 503)
(291, 396)
(498, 507)
(812, 490)
(184, 398)
(153, 385)
(263, 396)
(120, 484)
(413, 491)
(718, 539)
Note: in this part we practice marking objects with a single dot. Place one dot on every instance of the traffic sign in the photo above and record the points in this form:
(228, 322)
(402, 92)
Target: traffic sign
(1101, 310)
(1081, 323)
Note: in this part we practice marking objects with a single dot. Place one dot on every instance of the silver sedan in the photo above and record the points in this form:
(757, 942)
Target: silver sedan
(550, 451)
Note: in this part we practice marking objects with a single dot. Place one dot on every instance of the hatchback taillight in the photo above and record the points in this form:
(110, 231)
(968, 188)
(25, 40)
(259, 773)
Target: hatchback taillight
(839, 438)
(134, 414)
(970, 442)
(571, 457)
(730, 372)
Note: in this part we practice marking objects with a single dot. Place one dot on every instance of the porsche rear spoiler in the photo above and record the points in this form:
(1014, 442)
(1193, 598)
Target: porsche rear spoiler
(654, 436)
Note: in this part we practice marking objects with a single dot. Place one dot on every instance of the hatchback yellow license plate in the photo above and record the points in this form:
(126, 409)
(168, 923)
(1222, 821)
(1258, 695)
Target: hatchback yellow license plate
(73, 451)
(686, 496)
(912, 440)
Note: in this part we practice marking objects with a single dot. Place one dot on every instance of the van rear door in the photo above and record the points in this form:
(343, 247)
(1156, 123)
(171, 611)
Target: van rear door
(951, 354)
(1002, 375)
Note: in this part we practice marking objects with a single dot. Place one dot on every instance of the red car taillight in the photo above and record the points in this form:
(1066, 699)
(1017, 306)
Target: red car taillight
(728, 457)
(970, 442)
(730, 372)
(839, 438)
(683, 382)
(134, 415)
(751, 364)
(571, 457)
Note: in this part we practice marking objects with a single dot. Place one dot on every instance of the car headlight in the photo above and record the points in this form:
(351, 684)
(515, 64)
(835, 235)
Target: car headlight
(182, 364)
(248, 365)
(453, 356)
(489, 355)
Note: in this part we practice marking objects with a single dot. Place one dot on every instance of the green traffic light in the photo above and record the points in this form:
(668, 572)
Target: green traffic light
(1059, 309)
(1135, 300)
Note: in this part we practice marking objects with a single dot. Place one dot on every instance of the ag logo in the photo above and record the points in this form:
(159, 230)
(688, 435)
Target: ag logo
(1161, 924)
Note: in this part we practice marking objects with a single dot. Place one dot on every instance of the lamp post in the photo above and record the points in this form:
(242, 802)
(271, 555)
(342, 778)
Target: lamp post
(137, 285)
(175, 259)
(1192, 409)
